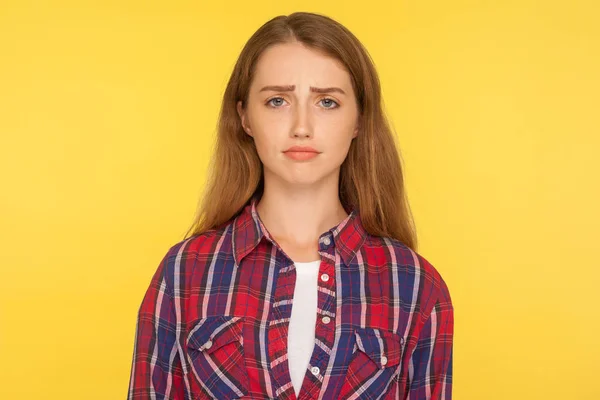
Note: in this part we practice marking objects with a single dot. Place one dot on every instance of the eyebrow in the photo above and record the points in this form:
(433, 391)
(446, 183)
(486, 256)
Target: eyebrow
(290, 88)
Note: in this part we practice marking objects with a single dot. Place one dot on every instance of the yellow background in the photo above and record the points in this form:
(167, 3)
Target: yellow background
(108, 110)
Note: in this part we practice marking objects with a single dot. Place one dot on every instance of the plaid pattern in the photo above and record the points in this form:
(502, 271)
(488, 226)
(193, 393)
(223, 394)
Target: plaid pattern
(213, 323)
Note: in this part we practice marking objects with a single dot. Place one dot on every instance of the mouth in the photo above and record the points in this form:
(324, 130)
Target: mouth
(306, 149)
(301, 155)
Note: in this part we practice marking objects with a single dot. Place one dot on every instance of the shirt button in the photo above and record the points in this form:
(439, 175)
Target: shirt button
(383, 360)
(326, 320)
(326, 241)
(315, 370)
(324, 277)
(208, 344)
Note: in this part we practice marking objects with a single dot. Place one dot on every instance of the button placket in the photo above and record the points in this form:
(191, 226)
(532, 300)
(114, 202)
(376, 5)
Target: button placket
(326, 306)
(327, 283)
(324, 242)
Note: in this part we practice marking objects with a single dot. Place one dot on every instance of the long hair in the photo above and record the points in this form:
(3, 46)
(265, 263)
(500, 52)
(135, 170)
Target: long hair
(371, 178)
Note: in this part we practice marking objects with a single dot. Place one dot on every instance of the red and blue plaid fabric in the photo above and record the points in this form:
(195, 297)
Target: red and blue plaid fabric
(213, 323)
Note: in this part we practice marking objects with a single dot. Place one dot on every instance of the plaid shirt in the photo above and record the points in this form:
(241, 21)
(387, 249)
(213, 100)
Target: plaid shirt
(213, 323)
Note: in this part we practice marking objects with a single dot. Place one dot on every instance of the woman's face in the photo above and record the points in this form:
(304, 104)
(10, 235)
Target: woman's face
(300, 97)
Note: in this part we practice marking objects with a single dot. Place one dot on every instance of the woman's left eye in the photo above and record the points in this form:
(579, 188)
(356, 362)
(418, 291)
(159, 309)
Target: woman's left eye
(326, 103)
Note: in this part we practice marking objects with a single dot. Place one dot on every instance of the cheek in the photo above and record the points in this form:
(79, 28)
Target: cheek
(266, 142)
(270, 134)
(262, 147)
(339, 143)
(342, 151)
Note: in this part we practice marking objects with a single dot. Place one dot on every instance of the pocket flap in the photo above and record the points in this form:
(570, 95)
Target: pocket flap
(213, 332)
(382, 346)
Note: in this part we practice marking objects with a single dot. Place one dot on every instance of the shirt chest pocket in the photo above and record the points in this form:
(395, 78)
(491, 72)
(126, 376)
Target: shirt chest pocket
(215, 355)
(374, 364)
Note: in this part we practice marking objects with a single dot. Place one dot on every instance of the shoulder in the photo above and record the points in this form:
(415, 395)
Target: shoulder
(201, 244)
(186, 256)
(414, 269)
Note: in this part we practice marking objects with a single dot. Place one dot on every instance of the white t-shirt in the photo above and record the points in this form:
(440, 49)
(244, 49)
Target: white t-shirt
(301, 334)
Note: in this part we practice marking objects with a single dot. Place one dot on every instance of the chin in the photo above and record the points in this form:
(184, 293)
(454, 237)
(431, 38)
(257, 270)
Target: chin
(302, 181)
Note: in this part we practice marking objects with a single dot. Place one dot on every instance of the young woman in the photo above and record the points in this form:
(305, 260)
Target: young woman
(300, 278)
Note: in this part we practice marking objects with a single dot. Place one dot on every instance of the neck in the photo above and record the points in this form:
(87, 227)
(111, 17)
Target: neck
(301, 214)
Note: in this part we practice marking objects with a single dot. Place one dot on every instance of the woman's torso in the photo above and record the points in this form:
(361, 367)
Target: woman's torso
(233, 290)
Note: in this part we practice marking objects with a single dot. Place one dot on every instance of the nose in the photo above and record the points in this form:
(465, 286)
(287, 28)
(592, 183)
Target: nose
(302, 124)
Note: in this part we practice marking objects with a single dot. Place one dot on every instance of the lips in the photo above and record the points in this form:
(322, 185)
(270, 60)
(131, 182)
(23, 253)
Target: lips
(301, 153)
(302, 149)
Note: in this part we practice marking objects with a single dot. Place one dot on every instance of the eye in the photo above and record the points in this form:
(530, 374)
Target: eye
(327, 102)
(277, 104)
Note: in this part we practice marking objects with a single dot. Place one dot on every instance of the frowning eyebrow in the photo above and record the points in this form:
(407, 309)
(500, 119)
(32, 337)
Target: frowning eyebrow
(290, 88)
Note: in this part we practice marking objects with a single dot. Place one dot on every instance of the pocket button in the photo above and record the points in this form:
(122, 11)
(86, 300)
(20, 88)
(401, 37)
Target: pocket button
(383, 360)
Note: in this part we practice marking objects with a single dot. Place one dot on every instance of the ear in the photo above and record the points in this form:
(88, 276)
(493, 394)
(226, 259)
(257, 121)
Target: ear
(243, 118)
(357, 128)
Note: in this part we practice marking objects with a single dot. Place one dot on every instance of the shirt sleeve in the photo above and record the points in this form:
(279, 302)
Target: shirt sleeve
(156, 371)
(430, 370)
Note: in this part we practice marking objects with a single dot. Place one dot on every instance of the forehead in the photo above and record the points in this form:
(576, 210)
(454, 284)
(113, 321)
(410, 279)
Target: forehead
(294, 63)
